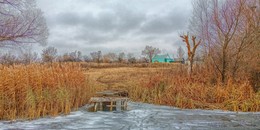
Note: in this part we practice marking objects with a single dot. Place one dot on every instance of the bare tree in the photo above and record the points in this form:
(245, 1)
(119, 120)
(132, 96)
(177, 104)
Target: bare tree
(225, 24)
(150, 52)
(21, 22)
(180, 53)
(246, 38)
(49, 54)
(27, 56)
(78, 56)
(131, 58)
(143, 60)
(109, 57)
(191, 48)
(8, 59)
(199, 24)
(121, 57)
(66, 57)
(75, 56)
(229, 31)
(96, 56)
(86, 58)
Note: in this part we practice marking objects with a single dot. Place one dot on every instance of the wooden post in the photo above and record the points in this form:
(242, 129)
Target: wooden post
(101, 106)
(125, 105)
(111, 105)
(122, 105)
(95, 107)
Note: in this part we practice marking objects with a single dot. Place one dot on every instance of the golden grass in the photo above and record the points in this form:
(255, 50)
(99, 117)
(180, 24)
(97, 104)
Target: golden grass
(172, 86)
(36, 90)
(169, 88)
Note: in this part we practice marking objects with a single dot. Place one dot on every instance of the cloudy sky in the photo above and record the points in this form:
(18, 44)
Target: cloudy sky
(115, 25)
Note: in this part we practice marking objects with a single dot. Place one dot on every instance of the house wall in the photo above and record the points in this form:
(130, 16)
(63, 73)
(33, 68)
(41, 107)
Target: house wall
(162, 60)
(170, 60)
(158, 60)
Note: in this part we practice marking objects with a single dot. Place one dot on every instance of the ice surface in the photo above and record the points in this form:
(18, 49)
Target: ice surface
(145, 117)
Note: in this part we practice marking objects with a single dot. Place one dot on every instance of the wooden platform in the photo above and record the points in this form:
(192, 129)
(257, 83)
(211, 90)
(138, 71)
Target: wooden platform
(109, 100)
(112, 93)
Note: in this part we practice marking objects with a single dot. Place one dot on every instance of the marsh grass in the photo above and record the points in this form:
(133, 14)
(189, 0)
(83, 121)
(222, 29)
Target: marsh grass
(38, 90)
(175, 88)
(171, 85)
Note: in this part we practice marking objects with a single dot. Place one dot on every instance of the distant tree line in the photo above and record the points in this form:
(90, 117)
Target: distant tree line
(50, 54)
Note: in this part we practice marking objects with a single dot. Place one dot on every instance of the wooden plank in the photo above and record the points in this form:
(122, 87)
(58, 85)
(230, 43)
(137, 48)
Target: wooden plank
(111, 108)
(101, 106)
(107, 99)
(111, 105)
(125, 105)
(95, 107)
(116, 93)
(114, 105)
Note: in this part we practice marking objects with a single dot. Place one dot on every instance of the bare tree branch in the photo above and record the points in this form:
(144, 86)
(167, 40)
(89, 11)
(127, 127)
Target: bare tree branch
(21, 22)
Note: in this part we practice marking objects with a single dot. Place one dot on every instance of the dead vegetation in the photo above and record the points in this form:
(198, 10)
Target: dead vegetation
(173, 86)
(35, 90)
(169, 88)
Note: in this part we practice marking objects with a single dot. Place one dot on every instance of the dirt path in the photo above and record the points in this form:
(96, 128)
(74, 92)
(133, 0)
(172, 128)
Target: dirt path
(117, 78)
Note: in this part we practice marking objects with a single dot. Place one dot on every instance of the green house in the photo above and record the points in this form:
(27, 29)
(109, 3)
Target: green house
(162, 59)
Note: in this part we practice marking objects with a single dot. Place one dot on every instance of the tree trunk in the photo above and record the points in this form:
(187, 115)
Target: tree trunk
(224, 63)
(191, 67)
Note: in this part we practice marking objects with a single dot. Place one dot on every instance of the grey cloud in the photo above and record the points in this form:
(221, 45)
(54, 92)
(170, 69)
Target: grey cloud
(104, 27)
(104, 21)
(120, 20)
(68, 18)
(90, 23)
(129, 19)
(164, 24)
(93, 37)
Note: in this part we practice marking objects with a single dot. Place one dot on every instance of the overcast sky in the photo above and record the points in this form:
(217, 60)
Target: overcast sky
(115, 25)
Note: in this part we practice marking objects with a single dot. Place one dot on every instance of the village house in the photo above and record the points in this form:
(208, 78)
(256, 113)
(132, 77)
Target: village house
(162, 59)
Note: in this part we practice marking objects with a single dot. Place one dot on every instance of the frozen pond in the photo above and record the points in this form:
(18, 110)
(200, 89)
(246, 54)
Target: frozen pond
(145, 117)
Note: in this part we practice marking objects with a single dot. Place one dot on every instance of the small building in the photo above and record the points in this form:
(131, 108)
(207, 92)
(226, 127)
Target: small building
(162, 59)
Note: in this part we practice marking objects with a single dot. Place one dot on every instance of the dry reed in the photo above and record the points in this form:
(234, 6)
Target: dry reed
(36, 90)
(175, 88)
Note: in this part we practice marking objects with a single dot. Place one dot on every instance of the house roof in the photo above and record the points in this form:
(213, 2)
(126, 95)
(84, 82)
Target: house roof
(161, 56)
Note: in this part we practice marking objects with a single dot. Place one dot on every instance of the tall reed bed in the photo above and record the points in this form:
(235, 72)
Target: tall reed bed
(36, 90)
(175, 88)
